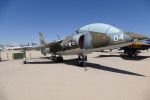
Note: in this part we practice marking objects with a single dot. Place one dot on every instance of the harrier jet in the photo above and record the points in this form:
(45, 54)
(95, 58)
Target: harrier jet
(87, 39)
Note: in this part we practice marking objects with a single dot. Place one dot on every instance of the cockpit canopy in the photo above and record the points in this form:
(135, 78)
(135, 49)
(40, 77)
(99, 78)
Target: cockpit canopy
(99, 27)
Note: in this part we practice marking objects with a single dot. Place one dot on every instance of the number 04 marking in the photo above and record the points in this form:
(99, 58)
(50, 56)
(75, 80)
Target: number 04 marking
(118, 37)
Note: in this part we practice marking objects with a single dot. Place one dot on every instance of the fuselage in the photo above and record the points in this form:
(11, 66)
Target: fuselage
(91, 37)
(98, 35)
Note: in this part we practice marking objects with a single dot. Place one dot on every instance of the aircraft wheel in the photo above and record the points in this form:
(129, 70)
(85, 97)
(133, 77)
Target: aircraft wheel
(24, 62)
(60, 59)
(133, 54)
(81, 60)
(57, 59)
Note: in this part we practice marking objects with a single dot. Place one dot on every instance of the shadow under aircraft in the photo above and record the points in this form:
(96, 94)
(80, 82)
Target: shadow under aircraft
(104, 68)
(91, 65)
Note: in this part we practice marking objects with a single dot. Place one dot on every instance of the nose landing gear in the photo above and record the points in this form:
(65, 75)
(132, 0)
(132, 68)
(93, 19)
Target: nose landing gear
(82, 60)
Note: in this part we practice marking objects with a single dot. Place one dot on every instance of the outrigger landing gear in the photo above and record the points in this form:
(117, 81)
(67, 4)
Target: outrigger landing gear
(81, 60)
(57, 59)
(25, 58)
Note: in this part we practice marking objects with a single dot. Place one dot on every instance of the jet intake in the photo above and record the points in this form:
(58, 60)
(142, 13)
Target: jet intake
(81, 41)
(84, 41)
(75, 41)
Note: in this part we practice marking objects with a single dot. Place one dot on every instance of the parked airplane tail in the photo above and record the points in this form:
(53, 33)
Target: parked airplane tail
(42, 41)
(44, 50)
(147, 41)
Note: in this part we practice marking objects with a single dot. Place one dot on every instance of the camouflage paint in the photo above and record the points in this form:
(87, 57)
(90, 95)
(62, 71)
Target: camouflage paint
(136, 36)
(93, 36)
(99, 39)
(98, 35)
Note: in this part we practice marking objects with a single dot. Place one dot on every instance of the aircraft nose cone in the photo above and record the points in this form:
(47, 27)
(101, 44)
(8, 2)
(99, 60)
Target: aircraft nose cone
(138, 36)
(141, 37)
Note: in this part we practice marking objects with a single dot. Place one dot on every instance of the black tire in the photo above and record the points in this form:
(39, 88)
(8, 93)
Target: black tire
(60, 59)
(80, 64)
(132, 54)
(24, 62)
(57, 59)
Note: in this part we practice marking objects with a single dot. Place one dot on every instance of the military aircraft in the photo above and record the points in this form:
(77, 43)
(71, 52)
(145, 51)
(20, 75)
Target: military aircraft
(12, 46)
(87, 39)
(15, 46)
(1, 47)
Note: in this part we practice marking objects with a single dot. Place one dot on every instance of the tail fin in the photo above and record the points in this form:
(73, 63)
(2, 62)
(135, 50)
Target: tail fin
(42, 41)
(147, 41)
(58, 37)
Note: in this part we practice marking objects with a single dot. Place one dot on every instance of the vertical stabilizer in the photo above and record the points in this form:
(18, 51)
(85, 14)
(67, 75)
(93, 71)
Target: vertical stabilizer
(42, 41)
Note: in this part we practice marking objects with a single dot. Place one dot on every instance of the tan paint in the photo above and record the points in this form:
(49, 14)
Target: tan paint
(136, 36)
(99, 39)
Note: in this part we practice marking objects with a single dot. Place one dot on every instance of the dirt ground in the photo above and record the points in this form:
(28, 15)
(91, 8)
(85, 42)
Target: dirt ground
(109, 76)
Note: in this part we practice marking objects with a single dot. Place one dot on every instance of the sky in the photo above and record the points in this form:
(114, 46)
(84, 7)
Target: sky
(21, 20)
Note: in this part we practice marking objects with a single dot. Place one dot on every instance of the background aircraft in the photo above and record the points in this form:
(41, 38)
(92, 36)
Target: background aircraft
(87, 39)
(12, 46)
(15, 46)
(1, 47)
(134, 49)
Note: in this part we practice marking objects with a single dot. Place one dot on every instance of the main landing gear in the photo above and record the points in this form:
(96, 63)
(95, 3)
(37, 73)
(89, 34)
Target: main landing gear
(132, 53)
(82, 60)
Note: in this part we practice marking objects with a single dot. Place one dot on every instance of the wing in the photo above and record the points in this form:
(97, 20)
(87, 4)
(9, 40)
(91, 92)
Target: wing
(111, 47)
(78, 50)
(51, 44)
